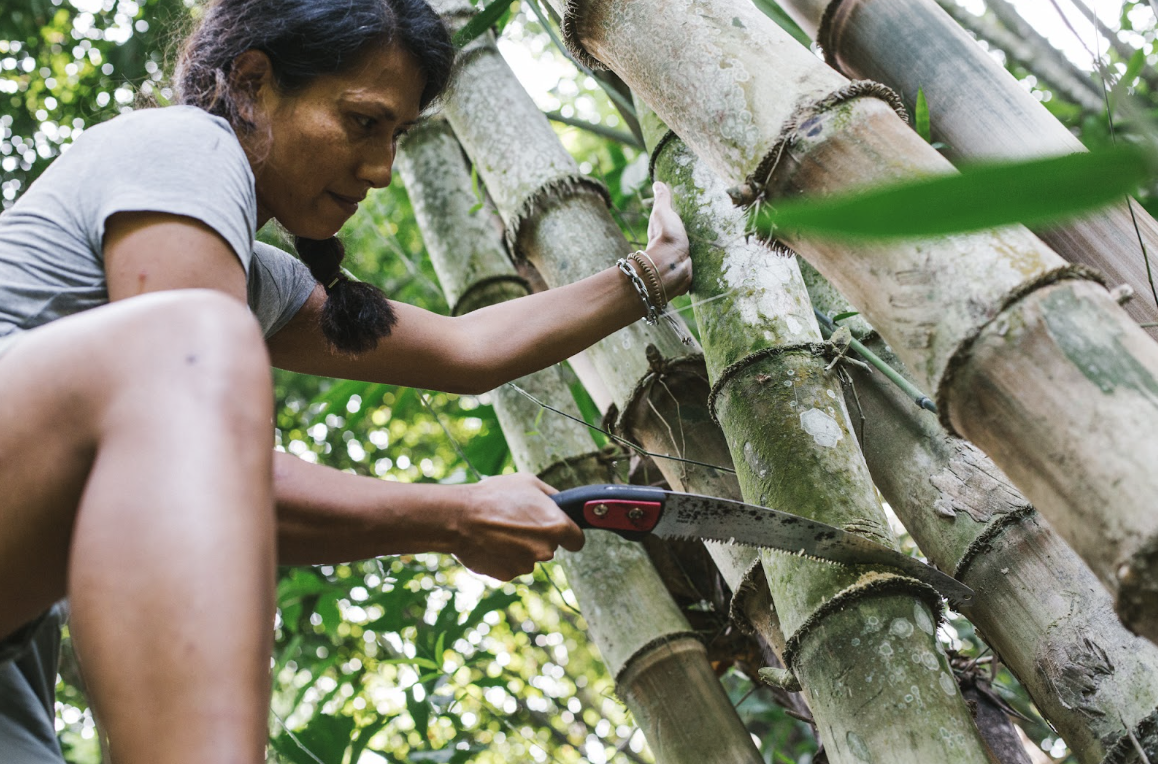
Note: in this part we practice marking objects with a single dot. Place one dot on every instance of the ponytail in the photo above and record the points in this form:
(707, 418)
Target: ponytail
(356, 315)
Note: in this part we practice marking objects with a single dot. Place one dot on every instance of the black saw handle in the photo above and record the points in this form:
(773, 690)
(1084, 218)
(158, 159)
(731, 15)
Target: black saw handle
(630, 511)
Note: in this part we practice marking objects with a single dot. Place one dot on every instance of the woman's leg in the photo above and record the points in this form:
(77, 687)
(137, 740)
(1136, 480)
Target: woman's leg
(135, 460)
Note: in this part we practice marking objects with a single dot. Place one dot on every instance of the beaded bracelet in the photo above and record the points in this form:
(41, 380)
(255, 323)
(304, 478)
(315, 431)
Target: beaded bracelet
(628, 269)
(651, 278)
(661, 292)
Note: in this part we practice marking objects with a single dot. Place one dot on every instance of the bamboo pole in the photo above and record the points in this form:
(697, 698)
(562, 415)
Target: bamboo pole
(850, 632)
(981, 113)
(1063, 81)
(1035, 365)
(660, 668)
(1039, 607)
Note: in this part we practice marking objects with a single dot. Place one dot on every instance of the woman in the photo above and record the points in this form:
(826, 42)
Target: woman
(135, 459)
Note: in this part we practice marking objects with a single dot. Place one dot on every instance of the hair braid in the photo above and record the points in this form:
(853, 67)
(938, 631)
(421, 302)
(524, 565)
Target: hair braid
(356, 315)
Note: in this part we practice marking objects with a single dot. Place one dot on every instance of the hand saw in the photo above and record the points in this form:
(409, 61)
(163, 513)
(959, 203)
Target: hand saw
(635, 511)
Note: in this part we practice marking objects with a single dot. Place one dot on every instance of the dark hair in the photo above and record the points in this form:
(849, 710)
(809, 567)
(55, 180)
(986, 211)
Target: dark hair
(306, 39)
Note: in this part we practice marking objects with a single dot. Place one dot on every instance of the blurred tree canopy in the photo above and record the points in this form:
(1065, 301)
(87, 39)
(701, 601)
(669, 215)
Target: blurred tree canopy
(411, 658)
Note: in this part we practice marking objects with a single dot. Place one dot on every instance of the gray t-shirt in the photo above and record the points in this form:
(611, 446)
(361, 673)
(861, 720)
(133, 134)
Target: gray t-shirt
(179, 160)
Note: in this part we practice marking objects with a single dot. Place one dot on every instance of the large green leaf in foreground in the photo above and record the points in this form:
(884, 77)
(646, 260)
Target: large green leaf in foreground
(983, 196)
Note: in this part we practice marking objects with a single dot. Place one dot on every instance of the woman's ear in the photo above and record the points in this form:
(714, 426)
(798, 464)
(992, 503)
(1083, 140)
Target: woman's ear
(251, 80)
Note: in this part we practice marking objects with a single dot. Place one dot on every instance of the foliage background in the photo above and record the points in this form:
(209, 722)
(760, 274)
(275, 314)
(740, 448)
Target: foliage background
(412, 658)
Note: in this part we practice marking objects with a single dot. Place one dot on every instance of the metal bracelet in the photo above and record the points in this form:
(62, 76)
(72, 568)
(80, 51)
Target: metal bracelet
(628, 269)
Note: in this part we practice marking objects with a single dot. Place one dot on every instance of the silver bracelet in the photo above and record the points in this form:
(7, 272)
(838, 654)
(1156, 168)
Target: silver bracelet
(628, 268)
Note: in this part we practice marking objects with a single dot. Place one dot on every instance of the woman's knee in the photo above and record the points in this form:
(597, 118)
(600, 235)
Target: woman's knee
(199, 345)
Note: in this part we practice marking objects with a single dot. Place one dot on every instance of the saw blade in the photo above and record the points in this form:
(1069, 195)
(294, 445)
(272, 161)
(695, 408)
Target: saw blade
(732, 522)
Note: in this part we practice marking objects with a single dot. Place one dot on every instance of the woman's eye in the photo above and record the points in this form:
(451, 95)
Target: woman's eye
(365, 122)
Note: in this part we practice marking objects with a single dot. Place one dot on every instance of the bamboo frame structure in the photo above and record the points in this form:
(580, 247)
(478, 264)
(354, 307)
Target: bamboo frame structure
(981, 113)
(1040, 608)
(660, 667)
(564, 234)
(1028, 359)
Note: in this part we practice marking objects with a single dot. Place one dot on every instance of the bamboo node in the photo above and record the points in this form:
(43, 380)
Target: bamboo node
(818, 349)
(462, 305)
(660, 145)
(555, 189)
(622, 421)
(960, 358)
(826, 34)
(570, 29)
(872, 584)
(761, 177)
(984, 541)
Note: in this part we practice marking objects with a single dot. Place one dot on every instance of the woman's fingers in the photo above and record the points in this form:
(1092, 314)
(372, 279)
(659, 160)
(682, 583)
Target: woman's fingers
(667, 243)
(511, 524)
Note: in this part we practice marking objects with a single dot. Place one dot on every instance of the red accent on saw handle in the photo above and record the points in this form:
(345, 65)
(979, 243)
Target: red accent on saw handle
(627, 510)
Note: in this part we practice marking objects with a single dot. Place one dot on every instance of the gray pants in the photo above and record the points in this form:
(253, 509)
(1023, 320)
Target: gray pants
(28, 695)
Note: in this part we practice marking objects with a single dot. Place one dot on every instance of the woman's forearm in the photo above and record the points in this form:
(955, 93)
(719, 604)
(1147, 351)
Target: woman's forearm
(325, 516)
(521, 336)
(500, 527)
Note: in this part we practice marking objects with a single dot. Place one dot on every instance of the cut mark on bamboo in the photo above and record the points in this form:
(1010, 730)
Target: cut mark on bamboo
(985, 540)
(570, 29)
(872, 584)
(816, 349)
(759, 181)
(961, 357)
(483, 284)
(554, 190)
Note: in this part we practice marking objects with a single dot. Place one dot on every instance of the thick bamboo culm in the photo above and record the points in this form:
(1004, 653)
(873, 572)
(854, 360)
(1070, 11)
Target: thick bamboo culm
(567, 237)
(660, 667)
(1039, 368)
(981, 113)
(1039, 606)
(778, 400)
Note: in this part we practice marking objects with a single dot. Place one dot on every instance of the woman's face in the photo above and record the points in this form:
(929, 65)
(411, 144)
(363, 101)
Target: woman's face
(334, 141)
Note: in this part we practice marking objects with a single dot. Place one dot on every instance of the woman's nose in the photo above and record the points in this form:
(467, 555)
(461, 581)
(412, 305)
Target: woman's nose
(377, 168)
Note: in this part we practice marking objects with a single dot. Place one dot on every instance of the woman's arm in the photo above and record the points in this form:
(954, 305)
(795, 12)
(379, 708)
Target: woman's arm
(500, 527)
(483, 349)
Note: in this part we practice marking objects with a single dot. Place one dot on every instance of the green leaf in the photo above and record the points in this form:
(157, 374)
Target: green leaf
(846, 314)
(921, 117)
(327, 608)
(983, 196)
(419, 712)
(325, 737)
(1134, 67)
(481, 22)
(364, 735)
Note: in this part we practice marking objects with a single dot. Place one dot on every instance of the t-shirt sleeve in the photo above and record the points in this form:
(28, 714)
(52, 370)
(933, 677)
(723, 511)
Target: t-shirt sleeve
(279, 284)
(178, 160)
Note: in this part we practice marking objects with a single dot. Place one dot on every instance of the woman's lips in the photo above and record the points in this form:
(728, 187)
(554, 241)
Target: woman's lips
(349, 204)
